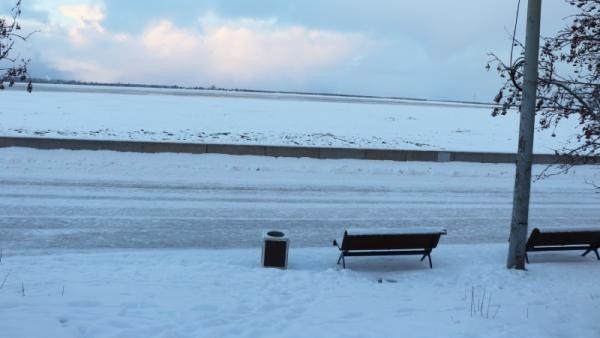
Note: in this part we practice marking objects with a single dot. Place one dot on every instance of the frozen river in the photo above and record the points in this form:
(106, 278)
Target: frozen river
(85, 199)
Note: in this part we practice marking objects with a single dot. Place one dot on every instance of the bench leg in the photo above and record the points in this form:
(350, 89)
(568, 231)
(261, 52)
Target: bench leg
(595, 250)
(526, 258)
(428, 255)
(342, 259)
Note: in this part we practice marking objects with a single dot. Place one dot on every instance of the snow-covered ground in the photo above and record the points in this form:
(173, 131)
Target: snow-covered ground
(107, 244)
(70, 221)
(266, 119)
(225, 293)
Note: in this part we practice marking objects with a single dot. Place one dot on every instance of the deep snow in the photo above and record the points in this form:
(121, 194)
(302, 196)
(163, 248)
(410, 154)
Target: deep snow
(49, 290)
(76, 226)
(225, 293)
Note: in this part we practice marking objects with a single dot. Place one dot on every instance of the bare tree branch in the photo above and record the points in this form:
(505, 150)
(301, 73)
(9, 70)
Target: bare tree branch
(575, 51)
(11, 68)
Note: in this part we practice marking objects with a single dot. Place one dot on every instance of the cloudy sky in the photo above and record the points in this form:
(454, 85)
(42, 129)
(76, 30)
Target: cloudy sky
(427, 49)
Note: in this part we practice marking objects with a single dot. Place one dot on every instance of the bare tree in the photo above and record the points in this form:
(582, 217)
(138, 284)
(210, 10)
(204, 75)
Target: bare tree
(568, 82)
(12, 68)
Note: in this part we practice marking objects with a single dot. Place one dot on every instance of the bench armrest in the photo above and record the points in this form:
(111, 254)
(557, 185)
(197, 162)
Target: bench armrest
(335, 243)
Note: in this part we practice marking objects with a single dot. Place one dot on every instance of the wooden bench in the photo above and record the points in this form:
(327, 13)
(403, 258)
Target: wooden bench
(387, 242)
(564, 239)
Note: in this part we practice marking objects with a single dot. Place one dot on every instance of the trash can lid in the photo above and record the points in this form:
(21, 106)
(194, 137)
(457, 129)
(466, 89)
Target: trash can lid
(275, 234)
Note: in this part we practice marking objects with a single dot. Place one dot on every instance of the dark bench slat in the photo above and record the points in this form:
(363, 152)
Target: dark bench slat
(386, 253)
(389, 242)
(560, 248)
(565, 238)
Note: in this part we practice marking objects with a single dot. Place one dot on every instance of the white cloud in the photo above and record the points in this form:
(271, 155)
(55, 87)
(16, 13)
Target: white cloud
(79, 19)
(210, 20)
(84, 15)
(164, 40)
(244, 52)
(224, 51)
(82, 19)
(434, 49)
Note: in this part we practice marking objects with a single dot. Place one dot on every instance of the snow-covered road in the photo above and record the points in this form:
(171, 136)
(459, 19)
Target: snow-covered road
(86, 199)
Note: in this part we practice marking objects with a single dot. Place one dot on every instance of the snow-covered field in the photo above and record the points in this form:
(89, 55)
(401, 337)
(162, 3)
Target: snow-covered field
(106, 244)
(76, 227)
(225, 293)
(266, 119)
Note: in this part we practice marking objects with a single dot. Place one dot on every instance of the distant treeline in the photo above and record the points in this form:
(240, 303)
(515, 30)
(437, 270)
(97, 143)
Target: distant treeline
(139, 85)
(117, 84)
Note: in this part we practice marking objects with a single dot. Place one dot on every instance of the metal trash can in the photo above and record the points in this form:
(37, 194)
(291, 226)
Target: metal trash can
(275, 249)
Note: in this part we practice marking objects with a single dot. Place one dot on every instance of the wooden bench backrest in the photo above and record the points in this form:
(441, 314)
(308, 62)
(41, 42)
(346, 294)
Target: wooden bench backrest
(539, 238)
(390, 241)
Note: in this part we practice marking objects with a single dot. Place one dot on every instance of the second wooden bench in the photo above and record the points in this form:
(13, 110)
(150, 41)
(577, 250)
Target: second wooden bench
(387, 242)
(559, 239)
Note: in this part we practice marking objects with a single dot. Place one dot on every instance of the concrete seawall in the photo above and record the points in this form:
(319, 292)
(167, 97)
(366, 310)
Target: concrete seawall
(276, 151)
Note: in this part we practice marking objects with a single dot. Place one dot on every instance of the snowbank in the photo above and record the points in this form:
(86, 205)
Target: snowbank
(225, 293)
